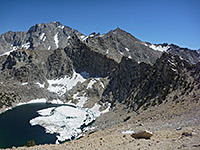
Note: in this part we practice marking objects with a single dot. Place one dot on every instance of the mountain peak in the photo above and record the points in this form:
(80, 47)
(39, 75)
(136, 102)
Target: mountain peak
(118, 29)
(56, 23)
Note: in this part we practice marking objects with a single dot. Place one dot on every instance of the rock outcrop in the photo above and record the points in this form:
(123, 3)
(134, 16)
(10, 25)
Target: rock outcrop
(142, 135)
(142, 85)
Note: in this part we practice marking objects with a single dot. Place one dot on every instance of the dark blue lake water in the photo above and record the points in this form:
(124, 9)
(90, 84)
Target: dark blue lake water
(15, 129)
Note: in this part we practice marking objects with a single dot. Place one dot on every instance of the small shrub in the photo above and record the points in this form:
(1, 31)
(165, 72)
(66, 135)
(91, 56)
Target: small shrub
(30, 143)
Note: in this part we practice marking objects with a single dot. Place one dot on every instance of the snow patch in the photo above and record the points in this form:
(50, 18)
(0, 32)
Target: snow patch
(96, 110)
(49, 47)
(101, 83)
(14, 48)
(40, 85)
(42, 36)
(8, 53)
(56, 39)
(40, 100)
(127, 49)
(82, 36)
(60, 86)
(85, 38)
(81, 99)
(159, 48)
(128, 132)
(61, 27)
(57, 101)
(26, 45)
(91, 83)
(25, 83)
(91, 35)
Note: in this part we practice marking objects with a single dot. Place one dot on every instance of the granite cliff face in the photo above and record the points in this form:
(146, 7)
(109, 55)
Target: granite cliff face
(142, 85)
(53, 61)
(40, 37)
(118, 43)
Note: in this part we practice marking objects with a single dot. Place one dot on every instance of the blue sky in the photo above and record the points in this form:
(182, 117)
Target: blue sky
(155, 21)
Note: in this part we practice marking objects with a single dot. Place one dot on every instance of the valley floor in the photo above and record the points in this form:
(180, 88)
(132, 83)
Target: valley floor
(173, 126)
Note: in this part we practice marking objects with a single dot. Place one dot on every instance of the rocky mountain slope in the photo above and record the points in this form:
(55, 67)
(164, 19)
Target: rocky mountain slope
(49, 56)
(142, 85)
(114, 71)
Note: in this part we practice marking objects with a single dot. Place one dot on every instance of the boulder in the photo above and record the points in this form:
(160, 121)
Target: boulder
(142, 135)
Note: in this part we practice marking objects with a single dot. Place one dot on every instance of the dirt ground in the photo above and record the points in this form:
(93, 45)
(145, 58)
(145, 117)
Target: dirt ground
(174, 126)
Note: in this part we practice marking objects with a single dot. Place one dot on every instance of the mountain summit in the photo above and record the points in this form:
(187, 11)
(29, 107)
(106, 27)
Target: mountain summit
(114, 44)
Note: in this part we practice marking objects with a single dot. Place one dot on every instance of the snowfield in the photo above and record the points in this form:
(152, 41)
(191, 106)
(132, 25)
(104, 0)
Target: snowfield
(158, 47)
(60, 86)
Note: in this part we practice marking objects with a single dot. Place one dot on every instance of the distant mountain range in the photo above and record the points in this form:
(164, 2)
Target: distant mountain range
(53, 61)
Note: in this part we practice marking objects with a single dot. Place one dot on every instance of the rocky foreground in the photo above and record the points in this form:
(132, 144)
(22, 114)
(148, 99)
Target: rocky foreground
(173, 127)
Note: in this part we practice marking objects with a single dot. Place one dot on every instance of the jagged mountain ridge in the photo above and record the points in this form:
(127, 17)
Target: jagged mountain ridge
(143, 85)
(190, 55)
(107, 60)
(114, 44)
(40, 36)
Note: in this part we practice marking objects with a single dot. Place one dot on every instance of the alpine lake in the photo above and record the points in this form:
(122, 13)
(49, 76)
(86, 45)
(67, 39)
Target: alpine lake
(16, 130)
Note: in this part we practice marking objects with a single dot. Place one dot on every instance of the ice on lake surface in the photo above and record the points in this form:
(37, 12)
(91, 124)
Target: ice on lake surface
(67, 121)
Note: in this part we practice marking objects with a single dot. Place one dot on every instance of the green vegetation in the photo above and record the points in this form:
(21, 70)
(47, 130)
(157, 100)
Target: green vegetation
(30, 143)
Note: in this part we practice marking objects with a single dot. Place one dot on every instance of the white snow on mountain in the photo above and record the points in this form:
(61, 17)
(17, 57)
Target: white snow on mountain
(96, 110)
(126, 49)
(49, 47)
(14, 48)
(40, 85)
(61, 27)
(25, 83)
(42, 36)
(82, 36)
(60, 86)
(26, 45)
(101, 83)
(121, 53)
(157, 47)
(81, 99)
(91, 83)
(56, 39)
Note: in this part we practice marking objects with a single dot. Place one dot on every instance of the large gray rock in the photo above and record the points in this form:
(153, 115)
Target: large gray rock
(142, 135)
